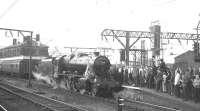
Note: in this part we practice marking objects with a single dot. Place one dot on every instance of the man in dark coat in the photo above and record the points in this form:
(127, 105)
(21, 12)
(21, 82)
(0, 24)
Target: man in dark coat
(185, 82)
(159, 80)
(154, 73)
(162, 66)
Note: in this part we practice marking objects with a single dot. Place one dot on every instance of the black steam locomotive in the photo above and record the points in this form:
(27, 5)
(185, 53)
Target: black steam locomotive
(82, 73)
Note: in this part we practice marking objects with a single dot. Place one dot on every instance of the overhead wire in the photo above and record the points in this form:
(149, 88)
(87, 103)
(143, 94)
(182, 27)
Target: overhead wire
(6, 11)
(9, 8)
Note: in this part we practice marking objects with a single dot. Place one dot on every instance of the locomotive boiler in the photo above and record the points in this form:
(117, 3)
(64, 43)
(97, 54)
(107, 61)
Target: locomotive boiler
(73, 63)
(83, 73)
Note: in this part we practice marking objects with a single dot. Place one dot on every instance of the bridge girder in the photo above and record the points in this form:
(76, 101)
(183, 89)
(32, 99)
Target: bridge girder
(117, 34)
(146, 34)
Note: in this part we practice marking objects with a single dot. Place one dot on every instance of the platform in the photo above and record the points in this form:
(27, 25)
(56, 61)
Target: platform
(160, 97)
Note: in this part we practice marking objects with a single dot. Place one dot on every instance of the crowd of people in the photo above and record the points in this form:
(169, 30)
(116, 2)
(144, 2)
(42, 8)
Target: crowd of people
(187, 84)
(179, 83)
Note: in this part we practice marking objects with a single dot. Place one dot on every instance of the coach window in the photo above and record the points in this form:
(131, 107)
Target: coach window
(9, 52)
(15, 51)
(18, 51)
(6, 52)
(1, 54)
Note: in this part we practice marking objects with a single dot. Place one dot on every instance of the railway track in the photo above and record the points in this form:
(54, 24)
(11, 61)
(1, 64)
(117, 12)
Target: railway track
(2, 108)
(153, 107)
(11, 102)
(40, 101)
(145, 99)
(129, 105)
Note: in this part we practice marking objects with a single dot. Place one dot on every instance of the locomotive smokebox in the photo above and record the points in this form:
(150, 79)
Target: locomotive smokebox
(101, 66)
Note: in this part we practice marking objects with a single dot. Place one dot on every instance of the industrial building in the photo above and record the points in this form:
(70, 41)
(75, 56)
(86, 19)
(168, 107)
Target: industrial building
(186, 60)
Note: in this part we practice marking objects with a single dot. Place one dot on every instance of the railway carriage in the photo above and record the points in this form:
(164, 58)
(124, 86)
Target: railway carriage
(15, 59)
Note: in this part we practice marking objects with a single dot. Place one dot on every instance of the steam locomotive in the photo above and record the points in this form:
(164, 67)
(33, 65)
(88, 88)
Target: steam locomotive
(80, 72)
(83, 73)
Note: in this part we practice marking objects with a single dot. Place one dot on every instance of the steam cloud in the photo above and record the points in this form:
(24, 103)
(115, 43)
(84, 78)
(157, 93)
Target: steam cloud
(48, 80)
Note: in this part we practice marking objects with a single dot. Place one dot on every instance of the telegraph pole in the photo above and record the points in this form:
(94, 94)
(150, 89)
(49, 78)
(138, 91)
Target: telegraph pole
(30, 61)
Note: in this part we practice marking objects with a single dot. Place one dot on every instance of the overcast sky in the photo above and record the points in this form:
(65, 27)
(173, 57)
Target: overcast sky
(80, 22)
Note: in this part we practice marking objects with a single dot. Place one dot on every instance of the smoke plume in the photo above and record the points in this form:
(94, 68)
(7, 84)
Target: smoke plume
(45, 79)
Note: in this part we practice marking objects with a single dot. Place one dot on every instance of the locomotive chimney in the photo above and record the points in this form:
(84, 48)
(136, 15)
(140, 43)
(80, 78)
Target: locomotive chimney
(14, 41)
(96, 54)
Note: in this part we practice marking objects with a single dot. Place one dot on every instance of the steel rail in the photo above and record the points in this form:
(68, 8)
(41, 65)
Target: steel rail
(8, 90)
(113, 101)
(152, 105)
(1, 107)
(42, 97)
